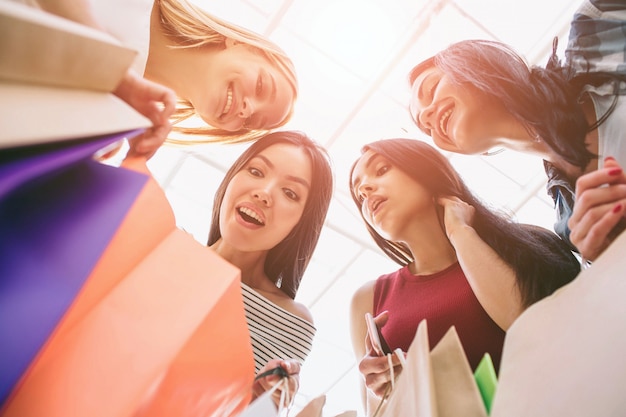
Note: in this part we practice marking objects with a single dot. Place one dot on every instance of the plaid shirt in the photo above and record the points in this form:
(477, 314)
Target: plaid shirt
(597, 38)
(597, 43)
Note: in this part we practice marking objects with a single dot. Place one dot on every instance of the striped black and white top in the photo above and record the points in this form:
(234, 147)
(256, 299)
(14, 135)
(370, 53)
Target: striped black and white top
(275, 332)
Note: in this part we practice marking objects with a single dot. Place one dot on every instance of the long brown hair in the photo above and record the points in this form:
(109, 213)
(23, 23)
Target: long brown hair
(288, 260)
(541, 260)
(542, 99)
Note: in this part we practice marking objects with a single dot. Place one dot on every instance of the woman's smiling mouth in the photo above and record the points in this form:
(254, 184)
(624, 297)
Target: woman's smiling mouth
(251, 216)
(229, 101)
(443, 122)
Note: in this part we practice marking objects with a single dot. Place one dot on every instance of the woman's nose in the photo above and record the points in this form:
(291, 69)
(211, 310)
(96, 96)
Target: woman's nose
(263, 196)
(427, 116)
(365, 189)
(247, 108)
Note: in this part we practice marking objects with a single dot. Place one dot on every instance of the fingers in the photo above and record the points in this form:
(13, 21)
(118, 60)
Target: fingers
(591, 233)
(456, 214)
(612, 173)
(381, 319)
(600, 206)
(376, 372)
(149, 142)
(378, 383)
(291, 367)
(605, 196)
(154, 101)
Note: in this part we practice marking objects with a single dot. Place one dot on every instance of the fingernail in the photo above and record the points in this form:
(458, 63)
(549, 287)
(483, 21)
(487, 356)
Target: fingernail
(615, 171)
(617, 208)
(609, 158)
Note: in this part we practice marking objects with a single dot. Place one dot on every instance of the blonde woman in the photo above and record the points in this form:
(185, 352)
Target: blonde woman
(240, 84)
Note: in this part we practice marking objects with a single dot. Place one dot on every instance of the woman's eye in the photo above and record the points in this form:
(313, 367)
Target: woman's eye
(382, 170)
(290, 194)
(259, 85)
(256, 172)
(432, 90)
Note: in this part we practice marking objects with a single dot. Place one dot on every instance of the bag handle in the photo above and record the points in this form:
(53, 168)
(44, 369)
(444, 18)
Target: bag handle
(392, 377)
(286, 398)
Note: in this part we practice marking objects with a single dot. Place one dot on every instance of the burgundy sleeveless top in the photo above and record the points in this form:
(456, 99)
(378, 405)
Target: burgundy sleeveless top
(444, 299)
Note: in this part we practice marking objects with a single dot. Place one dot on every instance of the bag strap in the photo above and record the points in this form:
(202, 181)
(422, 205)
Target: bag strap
(400, 355)
(286, 397)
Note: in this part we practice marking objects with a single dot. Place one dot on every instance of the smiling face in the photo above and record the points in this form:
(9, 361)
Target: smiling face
(242, 90)
(265, 200)
(390, 199)
(459, 118)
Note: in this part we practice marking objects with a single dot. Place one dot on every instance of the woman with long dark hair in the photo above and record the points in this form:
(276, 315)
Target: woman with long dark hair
(476, 95)
(462, 263)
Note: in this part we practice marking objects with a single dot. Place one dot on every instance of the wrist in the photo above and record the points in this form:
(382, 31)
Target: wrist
(459, 232)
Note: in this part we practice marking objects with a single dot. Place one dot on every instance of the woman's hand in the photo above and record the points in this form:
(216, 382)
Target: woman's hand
(291, 368)
(152, 100)
(457, 214)
(599, 208)
(375, 369)
(376, 372)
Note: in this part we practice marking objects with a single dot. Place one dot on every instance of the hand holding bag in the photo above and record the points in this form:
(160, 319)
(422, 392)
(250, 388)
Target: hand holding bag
(435, 384)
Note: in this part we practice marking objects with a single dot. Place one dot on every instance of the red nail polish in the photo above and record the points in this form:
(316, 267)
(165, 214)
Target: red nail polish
(615, 171)
(617, 208)
(609, 158)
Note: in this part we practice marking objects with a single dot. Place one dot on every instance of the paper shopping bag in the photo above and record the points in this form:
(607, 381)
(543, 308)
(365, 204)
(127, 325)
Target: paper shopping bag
(313, 408)
(37, 47)
(58, 212)
(564, 356)
(157, 329)
(455, 386)
(56, 78)
(486, 380)
(58, 208)
(435, 384)
(413, 393)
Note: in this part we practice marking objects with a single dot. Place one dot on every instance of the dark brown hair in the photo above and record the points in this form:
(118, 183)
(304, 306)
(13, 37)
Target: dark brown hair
(288, 260)
(541, 260)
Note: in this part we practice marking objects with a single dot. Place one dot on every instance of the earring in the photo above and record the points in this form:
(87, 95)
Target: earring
(279, 282)
(489, 153)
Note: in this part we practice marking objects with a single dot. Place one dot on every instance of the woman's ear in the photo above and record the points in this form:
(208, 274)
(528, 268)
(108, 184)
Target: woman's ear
(230, 42)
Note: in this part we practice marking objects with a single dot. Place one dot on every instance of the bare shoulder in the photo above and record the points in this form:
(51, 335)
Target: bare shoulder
(362, 302)
(283, 301)
(364, 296)
(300, 310)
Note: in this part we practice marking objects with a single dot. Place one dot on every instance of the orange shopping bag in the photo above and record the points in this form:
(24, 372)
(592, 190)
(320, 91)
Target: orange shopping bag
(158, 329)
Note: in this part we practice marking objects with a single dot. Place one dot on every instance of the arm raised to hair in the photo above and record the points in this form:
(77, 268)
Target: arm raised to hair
(492, 280)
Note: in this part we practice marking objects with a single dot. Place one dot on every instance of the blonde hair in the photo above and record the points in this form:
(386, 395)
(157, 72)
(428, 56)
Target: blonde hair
(188, 26)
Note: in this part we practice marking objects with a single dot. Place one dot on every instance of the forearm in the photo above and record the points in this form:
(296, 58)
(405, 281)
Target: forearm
(492, 280)
(79, 11)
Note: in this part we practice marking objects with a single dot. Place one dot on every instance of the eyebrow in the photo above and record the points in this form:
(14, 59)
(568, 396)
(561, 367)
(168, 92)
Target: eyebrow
(420, 96)
(293, 178)
(273, 89)
(262, 120)
(420, 90)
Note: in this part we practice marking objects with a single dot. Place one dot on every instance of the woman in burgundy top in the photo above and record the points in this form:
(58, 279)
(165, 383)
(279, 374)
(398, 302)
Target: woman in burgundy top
(463, 264)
